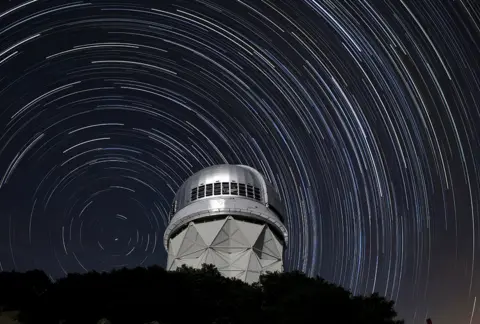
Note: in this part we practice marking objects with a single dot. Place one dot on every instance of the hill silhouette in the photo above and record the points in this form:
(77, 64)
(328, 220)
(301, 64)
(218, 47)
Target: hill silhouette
(201, 296)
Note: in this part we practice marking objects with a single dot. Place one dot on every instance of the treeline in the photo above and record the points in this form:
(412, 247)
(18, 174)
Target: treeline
(144, 295)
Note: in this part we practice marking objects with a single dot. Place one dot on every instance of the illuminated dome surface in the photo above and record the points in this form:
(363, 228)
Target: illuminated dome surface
(229, 216)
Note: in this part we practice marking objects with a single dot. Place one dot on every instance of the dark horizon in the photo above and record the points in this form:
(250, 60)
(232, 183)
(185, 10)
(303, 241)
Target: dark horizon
(363, 114)
(125, 297)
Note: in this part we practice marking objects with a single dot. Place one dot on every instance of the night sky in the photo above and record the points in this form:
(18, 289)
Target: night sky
(364, 114)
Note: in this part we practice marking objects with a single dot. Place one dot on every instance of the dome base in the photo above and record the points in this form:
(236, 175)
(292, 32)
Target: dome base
(237, 248)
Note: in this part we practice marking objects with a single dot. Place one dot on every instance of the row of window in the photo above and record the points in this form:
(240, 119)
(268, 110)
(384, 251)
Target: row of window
(225, 188)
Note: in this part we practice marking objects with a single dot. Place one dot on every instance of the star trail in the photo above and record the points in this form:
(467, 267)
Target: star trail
(364, 114)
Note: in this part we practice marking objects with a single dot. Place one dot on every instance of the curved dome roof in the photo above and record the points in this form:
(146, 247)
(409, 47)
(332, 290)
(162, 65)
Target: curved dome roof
(223, 174)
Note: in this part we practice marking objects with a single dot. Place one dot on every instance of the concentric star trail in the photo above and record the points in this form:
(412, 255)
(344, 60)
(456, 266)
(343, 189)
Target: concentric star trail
(364, 114)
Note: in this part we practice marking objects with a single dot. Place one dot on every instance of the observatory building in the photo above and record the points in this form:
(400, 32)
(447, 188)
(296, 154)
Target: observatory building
(228, 216)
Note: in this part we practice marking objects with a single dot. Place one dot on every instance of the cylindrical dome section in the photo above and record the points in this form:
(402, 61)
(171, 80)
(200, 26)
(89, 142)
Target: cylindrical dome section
(229, 216)
(228, 180)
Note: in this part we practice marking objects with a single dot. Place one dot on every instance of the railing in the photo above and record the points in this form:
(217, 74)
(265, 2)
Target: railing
(215, 212)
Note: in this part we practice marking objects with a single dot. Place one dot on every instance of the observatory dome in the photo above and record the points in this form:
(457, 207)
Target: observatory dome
(251, 184)
(226, 187)
(229, 216)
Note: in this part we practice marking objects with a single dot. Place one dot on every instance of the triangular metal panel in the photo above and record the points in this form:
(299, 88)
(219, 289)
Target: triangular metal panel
(251, 231)
(192, 242)
(170, 263)
(230, 236)
(242, 259)
(263, 255)
(209, 230)
(202, 257)
(265, 244)
(192, 235)
(188, 247)
(258, 246)
(241, 275)
(278, 244)
(229, 249)
(254, 263)
(267, 262)
(231, 267)
(236, 235)
(208, 259)
(252, 276)
(170, 258)
(176, 264)
(193, 253)
(232, 273)
(269, 245)
(277, 266)
(177, 241)
(221, 238)
(230, 256)
(190, 262)
(219, 261)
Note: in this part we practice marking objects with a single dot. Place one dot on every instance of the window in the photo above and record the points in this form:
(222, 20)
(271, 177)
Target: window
(217, 188)
(234, 189)
(241, 189)
(209, 189)
(194, 193)
(201, 191)
(257, 193)
(250, 191)
(225, 188)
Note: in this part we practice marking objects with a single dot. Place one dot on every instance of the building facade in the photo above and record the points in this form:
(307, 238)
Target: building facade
(228, 216)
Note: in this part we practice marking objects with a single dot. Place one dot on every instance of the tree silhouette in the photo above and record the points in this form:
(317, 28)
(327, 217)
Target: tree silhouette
(18, 290)
(203, 296)
(375, 309)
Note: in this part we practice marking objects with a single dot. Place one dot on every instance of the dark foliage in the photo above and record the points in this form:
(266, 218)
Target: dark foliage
(144, 295)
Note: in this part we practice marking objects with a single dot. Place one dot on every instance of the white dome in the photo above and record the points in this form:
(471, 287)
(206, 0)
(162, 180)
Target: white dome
(220, 177)
(229, 216)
